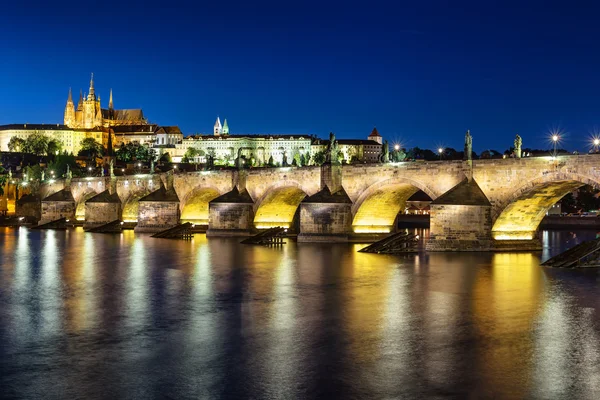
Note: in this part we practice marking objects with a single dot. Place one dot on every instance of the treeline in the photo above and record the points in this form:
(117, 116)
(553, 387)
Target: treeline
(450, 153)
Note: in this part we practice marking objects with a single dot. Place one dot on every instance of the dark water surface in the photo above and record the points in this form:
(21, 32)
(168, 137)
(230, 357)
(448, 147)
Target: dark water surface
(127, 316)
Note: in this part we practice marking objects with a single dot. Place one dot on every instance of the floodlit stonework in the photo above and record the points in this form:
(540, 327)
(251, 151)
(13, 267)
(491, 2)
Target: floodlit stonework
(513, 197)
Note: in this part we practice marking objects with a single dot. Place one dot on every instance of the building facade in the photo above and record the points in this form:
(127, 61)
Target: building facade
(69, 138)
(281, 149)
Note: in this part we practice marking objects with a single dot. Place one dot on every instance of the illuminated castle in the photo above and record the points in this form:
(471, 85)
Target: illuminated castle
(89, 114)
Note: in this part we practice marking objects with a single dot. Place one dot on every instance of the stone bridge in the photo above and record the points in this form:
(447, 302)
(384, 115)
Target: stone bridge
(478, 205)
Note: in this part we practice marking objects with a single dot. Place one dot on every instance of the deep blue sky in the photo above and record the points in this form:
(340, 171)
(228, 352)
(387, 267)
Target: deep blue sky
(421, 71)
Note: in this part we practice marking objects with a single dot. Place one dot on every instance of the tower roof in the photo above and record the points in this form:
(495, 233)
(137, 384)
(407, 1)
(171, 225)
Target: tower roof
(70, 98)
(374, 132)
(225, 123)
(218, 123)
(110, 101)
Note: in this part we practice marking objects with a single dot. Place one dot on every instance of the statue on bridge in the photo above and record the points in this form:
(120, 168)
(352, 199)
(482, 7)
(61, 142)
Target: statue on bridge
(333, 150)
(384, 157)
(43, 175)
(518, 144)
(69, 173)
(111, 168)
(468, 156)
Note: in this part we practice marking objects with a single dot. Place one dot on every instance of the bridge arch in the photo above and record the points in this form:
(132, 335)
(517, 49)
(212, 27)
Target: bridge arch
(377, 206)
(80, 207)
(195, 205)
(520, 214)
(278, 205)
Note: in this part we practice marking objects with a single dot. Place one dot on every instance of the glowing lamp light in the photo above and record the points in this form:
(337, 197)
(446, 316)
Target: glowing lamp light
(596, 142)
(397, 147)
(440, 150)
(89, 168)
(555, 138)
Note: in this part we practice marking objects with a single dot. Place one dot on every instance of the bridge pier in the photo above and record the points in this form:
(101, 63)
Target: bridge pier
(231, 214)
(461, 220)
(102, 209)
(158, 211)
(58, 205)
(326, 217)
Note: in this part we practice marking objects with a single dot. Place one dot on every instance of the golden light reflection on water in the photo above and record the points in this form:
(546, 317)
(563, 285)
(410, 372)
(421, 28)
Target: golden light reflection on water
(283, 320)
(137, 280)
(366, 303)
(507, 301)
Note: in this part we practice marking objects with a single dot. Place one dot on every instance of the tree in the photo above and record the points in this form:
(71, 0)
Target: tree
(16, 144)
(91, 149)
(271, 163)
(60, 162)
(303, 161)
(190, 155)
(3, 179)
(319, 158)
(36, 144)
(54, 147)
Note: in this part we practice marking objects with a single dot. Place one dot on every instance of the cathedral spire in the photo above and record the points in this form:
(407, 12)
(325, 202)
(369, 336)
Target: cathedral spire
(218, 128)
(110, 101)
(92, 93)
(225, 129)
(70, 98)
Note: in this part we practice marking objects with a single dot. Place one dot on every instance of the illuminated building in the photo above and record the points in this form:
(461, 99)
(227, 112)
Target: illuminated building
(89, 114)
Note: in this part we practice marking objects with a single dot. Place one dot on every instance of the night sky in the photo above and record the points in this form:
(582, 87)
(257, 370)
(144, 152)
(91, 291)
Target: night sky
(421, 71)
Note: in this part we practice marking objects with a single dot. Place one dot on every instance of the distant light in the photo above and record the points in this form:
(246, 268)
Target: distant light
(555, 138)
(122, 169)
(440, 150)
(397, 147)
(89, 168)
(21, 218)
(596, 142)
(139, 164)
(175, 166)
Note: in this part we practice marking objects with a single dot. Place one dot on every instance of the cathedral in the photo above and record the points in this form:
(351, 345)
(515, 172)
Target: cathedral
(89, 114)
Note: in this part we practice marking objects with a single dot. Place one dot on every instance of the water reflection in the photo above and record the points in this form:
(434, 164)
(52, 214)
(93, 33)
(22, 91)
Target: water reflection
(210, 318)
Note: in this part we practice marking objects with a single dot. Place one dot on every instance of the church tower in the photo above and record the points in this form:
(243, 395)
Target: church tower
(92, 114)
(218, 128)
(70, 111)
(225, 130)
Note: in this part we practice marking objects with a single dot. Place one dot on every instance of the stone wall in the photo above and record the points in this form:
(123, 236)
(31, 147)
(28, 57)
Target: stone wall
(460, 228)
(53, 210)
(227, 219)
(325, 222)
(155, 216)
(97, 214)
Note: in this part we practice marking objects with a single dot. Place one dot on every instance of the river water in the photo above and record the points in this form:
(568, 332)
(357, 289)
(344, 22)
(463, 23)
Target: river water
(126, 316)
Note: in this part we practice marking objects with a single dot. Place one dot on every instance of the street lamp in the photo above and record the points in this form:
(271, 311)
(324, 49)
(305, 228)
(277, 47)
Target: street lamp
(596, 144)
(555, 139)
(441, 151)
(397, 147)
